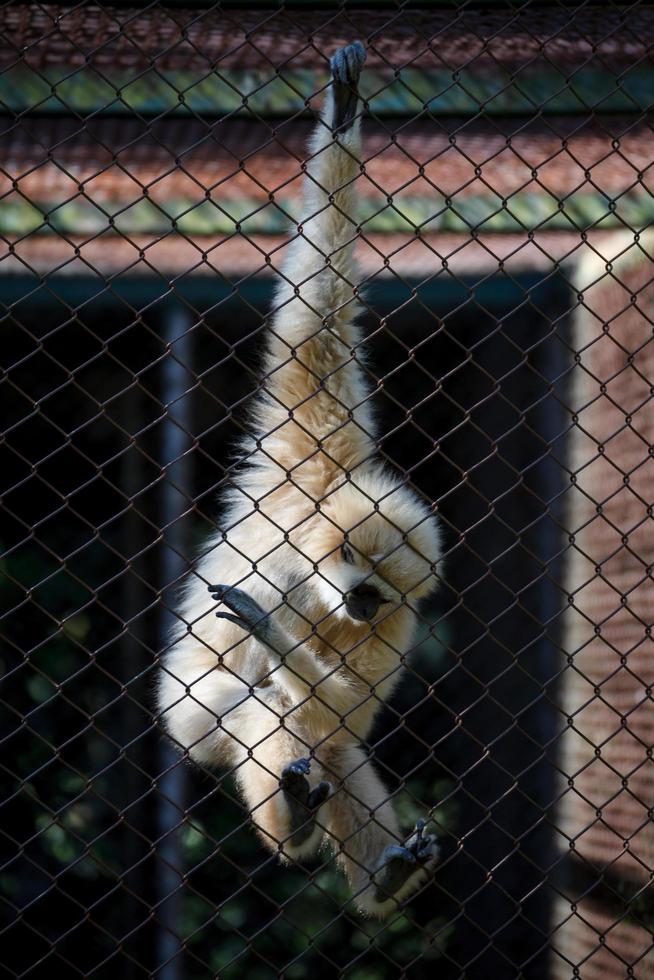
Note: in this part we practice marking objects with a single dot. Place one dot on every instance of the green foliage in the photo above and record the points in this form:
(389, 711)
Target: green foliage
(241, 914)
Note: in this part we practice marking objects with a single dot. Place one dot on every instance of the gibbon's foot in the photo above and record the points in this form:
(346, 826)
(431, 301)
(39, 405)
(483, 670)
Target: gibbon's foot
(346, 65)
(302, 801)
(248, 614)
(397, 863)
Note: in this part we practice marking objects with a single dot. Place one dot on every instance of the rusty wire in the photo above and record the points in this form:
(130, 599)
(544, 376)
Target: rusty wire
(150, 160)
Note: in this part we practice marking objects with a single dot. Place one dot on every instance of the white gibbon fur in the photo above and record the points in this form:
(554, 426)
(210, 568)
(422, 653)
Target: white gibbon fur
(327, 551)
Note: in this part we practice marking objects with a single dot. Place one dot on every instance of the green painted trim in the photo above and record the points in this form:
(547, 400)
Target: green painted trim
(441, 292)
(521, 213)
(465, 93)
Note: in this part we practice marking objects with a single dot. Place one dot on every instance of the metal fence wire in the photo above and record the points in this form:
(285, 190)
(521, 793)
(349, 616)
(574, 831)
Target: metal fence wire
(193, 204)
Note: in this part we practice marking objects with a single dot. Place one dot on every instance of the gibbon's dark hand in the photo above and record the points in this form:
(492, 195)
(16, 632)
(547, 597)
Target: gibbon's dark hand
(301, 800)
(248, 614)
(346, 65)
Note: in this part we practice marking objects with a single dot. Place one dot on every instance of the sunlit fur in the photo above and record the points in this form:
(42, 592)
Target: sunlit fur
(315, 481)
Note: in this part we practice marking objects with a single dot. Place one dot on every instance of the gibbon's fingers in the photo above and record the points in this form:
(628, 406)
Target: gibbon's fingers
(293, 777)
(346, 65)
(301, 767)
(301, 800)
(397, 863)
(423, 846)
(248, 613)
(347, 62)
(234, 619)
(319, 794)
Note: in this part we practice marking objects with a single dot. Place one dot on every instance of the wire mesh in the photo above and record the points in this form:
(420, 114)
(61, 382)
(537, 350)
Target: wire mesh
(151, 164)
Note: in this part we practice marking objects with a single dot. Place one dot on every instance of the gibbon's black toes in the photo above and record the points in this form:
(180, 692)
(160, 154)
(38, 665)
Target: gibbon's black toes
(423, 846)
(245, 611)
(398, 863)
(301, 767)
(318, 795)
(346, 65)
(301, 800)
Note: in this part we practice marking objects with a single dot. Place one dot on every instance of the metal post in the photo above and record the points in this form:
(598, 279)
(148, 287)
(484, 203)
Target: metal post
(175, 442)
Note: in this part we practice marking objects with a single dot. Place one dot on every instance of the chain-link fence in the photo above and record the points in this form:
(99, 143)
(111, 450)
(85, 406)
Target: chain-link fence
(180, 262)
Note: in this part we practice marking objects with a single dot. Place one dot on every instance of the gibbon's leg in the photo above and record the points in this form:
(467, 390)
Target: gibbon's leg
(289, 819)
(362, 827)
(209, 712)
(217, 718)
(282, 809)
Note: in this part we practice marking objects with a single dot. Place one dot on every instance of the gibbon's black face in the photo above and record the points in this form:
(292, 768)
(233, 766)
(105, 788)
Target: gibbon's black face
(363, 600)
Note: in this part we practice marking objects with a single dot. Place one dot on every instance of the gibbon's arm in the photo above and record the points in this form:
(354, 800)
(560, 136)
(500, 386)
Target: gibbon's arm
(294, 667)
(314, 415)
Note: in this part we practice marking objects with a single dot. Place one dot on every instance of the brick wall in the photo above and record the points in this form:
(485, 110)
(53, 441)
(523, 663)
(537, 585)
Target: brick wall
(606, 814)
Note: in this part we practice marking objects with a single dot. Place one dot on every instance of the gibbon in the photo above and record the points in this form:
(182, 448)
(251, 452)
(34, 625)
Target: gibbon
(324, 553)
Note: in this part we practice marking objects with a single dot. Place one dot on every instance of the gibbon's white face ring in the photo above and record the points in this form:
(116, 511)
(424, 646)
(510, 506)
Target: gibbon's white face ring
(352, 592)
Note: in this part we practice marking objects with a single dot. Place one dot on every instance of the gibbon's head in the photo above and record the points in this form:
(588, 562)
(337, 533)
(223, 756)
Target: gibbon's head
(382, 544)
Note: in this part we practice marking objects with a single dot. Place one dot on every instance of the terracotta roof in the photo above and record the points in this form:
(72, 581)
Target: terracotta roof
(436, 37)
(238, 176)
(182, 158)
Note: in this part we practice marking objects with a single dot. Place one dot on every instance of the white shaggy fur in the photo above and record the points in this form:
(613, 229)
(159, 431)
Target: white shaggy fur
(311, 482)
